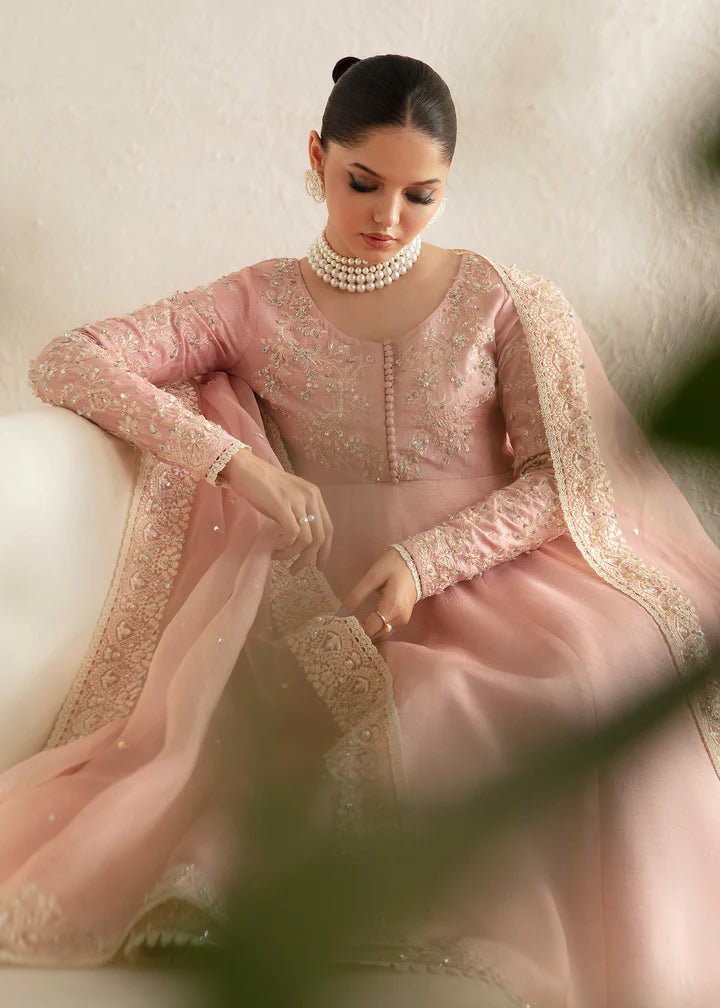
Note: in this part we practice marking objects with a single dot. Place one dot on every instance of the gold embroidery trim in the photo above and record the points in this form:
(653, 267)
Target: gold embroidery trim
(221, 461)
(413, 569)
(113, 671)
(180, 909)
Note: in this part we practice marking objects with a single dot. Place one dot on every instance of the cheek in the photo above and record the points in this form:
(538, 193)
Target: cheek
(346, 209)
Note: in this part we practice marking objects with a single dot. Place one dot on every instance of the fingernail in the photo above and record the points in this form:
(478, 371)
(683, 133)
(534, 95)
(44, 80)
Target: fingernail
(342, 611)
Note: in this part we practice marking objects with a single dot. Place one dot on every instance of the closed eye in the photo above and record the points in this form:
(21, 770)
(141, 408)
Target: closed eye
(425, 200)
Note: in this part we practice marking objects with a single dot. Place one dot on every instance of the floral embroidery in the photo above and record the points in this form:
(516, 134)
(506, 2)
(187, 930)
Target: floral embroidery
(112, 372)
(508, 522)
(158, 330)
(318, 367)
(306, 362)
(452, 348)
(77, 373)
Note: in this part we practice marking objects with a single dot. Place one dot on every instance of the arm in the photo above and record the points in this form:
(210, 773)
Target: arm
(109, 371)
(511, 520)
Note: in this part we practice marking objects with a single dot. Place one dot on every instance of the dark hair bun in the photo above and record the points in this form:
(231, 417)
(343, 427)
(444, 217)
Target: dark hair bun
(342, 65)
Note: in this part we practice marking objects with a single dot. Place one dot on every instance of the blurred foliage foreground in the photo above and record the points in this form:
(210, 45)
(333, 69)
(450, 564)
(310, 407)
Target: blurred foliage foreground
(310, 888)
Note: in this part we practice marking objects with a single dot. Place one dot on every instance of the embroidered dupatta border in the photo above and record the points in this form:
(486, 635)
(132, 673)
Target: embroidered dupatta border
(585, 490)
(113, 671)
(350, 675)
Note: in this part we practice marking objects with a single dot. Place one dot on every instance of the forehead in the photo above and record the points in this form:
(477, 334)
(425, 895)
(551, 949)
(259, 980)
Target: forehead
(396, 153)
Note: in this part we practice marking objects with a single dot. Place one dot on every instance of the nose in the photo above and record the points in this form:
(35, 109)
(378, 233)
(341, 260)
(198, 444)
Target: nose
(387, 213)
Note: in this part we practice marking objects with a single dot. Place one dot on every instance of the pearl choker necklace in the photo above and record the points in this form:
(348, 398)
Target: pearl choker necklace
(358, 274)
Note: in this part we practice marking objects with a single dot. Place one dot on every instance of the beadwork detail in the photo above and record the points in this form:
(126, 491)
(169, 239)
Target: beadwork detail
(390, 413)
(304, 363)
(453, 345)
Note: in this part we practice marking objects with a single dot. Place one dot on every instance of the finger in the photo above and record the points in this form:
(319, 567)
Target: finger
(387, 605)
(326, 546)
(368, 583)
(301, 539)
(310, 552)
(289, 529)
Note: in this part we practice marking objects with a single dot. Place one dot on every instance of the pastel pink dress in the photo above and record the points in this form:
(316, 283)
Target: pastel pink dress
(544, 605)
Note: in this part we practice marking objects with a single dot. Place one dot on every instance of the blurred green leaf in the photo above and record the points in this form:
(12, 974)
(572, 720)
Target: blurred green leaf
(688, 413)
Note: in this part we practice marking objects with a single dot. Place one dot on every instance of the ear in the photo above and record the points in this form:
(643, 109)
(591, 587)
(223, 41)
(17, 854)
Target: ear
(315, 150)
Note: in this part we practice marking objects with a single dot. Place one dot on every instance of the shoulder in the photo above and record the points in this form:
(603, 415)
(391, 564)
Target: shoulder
(521, 285)
(257, 276)
(247, 282)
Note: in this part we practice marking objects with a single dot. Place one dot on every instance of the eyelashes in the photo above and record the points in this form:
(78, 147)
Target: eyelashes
(424, 200)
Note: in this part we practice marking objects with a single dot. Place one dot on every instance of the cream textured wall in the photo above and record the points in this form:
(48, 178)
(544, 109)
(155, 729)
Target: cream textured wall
(150, 147)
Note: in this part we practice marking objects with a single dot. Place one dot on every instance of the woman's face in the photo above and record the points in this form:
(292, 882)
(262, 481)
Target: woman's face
(403, 178)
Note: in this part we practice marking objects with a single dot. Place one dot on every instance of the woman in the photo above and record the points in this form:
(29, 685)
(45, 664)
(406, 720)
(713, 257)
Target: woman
(415, 476)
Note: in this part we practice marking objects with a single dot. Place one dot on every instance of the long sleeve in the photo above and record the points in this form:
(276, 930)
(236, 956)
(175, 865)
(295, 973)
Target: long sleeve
(511, 520)
(109, 371)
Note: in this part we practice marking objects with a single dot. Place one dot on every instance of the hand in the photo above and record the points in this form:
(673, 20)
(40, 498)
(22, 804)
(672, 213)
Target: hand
(389, 576)
(284, 498)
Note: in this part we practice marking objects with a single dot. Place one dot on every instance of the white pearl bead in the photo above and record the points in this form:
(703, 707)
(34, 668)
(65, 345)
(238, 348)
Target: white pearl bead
(357, 275)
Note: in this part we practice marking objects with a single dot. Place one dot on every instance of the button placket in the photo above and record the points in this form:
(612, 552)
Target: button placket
(388, 364)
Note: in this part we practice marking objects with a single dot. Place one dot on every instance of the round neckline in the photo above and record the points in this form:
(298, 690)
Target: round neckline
(358, 339)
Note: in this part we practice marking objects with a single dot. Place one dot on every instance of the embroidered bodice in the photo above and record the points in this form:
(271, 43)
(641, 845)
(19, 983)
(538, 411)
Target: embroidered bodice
(455, 398)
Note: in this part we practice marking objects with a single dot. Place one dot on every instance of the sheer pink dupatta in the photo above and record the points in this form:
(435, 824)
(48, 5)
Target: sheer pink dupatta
(117, 830)
(628, 518)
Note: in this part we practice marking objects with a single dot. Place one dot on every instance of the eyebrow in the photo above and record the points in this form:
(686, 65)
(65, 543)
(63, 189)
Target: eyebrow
(356, 164)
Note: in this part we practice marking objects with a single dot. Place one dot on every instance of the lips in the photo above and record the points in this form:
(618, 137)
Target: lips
(379, 237)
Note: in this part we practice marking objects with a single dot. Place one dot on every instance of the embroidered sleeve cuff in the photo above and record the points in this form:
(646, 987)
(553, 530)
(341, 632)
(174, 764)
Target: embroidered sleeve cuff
(213, 474)
(510, 521)
(413, 569)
